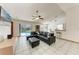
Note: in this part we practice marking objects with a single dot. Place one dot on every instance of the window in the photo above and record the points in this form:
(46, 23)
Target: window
(60, 27)
(25, 29)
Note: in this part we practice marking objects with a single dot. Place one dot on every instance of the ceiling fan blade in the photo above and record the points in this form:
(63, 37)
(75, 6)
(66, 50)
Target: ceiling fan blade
(42, 18)
(33, 18)
(37, 16)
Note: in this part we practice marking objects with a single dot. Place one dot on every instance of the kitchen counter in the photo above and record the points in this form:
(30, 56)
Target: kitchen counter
(7, 47)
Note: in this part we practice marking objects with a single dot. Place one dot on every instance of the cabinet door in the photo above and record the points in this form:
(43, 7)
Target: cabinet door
(6, 51)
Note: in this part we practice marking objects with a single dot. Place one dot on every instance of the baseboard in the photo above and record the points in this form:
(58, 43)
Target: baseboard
(68, 40)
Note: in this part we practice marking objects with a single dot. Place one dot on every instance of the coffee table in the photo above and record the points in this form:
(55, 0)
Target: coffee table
(34, 42)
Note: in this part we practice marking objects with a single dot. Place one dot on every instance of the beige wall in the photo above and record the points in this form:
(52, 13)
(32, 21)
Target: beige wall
(72, 24)
(16, 26)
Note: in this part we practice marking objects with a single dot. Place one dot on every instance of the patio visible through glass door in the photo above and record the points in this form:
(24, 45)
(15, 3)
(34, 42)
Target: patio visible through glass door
(25, 29)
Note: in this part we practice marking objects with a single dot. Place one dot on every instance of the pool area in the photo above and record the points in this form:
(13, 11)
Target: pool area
(26, 34)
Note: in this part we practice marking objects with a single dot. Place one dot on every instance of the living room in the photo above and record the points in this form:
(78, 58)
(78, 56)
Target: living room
(50, 27)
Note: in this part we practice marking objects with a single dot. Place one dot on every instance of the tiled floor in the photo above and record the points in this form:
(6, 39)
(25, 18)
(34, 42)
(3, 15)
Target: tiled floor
(61, 47)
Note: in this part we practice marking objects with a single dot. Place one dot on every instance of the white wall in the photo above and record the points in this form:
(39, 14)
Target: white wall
(72, 24)
(5, 29)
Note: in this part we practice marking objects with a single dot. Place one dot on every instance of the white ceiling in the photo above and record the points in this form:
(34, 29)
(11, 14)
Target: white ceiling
(24, 11)
(66, 6)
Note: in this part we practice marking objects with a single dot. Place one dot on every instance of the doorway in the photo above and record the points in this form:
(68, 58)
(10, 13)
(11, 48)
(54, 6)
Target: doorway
(25, 29)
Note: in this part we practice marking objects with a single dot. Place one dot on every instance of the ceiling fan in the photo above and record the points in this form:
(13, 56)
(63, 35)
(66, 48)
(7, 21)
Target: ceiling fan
(37, 16)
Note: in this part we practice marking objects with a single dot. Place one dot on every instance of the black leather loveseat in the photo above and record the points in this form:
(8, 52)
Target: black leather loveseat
(46, 37)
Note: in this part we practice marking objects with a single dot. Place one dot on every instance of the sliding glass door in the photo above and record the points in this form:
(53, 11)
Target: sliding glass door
(25, 29)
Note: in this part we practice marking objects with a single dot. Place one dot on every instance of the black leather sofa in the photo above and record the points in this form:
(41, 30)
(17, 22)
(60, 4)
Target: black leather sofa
(33, 34)
(46, 37)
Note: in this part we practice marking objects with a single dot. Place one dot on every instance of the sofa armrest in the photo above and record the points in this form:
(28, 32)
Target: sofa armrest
(52, 39)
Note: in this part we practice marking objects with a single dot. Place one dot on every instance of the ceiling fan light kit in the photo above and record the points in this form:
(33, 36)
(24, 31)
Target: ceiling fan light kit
(37, 16)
